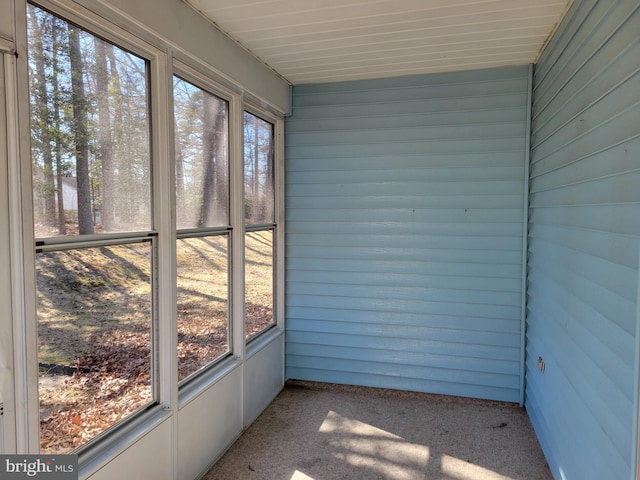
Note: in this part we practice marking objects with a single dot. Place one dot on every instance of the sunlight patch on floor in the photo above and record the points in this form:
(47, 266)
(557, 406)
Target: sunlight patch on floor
(298, 475)
(462, 470)
(368, 447)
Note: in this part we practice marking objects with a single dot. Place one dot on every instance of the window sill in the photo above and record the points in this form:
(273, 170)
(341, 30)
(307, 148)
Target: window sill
(119, 439)
(209, 377)
(263, 339)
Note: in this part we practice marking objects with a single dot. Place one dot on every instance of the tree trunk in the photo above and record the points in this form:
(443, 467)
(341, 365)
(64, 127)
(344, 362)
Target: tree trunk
(78, 100)
(120, 159)
(270, 174)
(256, 200)
(180, 200)
(43, 115)
(105, 135)
(221, 163)
(62, 226)
(209, 140)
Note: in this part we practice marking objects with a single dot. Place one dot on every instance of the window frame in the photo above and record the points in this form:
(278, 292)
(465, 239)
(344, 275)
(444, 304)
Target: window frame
(255, 341)
(165, 58)
(93, 452)
(205, 78)
(202, 81)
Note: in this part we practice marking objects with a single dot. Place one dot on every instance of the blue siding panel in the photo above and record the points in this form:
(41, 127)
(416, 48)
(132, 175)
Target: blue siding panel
(572, 171)
(395, 162)
(437, 106)
(404, 240)
(464, 117)
(470, 323)
(584, 238)
(398, 382)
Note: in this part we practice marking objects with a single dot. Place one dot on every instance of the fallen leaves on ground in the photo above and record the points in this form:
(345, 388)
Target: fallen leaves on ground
(77, 408)
(113, 380)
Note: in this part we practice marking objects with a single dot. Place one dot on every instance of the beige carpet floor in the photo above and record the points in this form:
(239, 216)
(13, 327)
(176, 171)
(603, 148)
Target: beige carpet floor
(334, 432)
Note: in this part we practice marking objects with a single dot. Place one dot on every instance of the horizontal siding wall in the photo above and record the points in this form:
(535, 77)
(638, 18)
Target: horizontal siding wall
(584, 242)
(404, 203)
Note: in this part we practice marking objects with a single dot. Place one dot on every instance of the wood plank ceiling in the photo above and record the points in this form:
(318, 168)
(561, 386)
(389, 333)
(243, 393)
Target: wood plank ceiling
(312, 41)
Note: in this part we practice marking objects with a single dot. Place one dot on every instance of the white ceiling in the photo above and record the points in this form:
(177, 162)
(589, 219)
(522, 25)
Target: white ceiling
(312, 41)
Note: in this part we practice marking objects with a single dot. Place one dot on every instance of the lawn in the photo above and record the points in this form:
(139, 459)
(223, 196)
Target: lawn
(95, 327)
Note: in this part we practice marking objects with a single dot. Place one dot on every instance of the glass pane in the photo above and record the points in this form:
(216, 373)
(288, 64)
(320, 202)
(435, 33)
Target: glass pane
(258, 281)
(203, 302)
(259, 197)
(94, 341)
(202, 157)
(89, 131)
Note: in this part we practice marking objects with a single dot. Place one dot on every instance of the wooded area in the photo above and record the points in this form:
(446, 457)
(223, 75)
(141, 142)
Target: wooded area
(92, 174)
(89, 131)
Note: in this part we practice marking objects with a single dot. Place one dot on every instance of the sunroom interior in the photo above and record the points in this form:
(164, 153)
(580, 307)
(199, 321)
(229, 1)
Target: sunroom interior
(201, 199)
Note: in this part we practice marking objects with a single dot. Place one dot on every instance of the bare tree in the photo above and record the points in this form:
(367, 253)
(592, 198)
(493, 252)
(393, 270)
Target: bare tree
(183, 131)
(221, 165)
(270, 175)
(43, 116)
(213, 126)
(79, 102)
(57, 125)
(105, 135)
(256, 164)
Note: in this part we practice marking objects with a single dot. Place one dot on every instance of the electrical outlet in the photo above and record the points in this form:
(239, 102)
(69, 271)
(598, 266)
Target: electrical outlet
(1, 409)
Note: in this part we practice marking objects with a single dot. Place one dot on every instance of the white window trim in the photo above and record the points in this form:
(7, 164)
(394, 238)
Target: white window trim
(206, 78)
(251, 106)
(165, 59)
(114, 440)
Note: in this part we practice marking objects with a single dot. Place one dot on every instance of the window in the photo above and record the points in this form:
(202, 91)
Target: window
(260, 223)
(93, 222)
(202, 221)
(124, 297)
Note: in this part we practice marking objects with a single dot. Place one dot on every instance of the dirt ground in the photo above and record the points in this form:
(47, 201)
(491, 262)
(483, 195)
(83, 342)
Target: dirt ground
(94, 326)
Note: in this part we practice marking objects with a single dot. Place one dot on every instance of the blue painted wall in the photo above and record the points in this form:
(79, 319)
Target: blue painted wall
(404, 207)
(584, 241)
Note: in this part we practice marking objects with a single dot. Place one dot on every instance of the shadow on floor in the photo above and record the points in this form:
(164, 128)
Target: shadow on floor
(323, 431)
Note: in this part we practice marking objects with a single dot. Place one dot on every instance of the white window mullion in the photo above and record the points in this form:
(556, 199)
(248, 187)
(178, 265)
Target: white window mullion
(237, 223)
(164, 214)
(164, 222)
